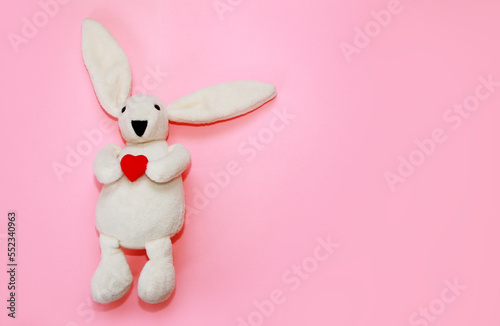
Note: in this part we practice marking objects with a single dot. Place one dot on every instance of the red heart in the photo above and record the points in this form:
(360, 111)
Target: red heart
(134, 166)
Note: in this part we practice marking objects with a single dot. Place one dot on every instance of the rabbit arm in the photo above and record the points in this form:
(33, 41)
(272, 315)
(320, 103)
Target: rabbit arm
(107, 167)
(169, 166)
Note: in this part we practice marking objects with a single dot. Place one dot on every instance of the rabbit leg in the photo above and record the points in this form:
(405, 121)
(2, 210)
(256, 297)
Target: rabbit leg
(112, 278)
(157, 279)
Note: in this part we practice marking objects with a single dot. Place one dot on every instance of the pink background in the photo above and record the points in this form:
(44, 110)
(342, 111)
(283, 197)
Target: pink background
(322, 175)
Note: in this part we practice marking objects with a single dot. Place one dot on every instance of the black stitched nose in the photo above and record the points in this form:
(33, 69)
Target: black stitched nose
(139, 126)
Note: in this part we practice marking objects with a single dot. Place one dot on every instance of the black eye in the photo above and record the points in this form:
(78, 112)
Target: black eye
(124, 108)
(157, 107)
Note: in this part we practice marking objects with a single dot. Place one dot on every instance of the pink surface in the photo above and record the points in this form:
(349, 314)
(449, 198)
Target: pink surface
(378, 155)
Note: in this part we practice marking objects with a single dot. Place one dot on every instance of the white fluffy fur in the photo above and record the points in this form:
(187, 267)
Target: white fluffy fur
(146, 213)
(221, 101)
(108, 66)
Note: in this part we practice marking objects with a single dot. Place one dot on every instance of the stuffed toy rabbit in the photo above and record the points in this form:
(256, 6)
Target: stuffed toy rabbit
(141, 205)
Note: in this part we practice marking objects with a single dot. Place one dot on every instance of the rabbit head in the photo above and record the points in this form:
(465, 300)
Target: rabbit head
(143, 117)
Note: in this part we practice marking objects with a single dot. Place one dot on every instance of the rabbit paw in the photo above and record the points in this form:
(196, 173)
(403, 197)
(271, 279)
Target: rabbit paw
(107, 167)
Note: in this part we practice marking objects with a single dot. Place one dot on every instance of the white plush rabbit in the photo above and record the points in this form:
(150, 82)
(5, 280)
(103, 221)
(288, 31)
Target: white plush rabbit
(141, 204)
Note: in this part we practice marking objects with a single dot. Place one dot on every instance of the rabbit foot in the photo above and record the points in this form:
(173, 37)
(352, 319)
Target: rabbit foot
(157, 281)
(112, 278)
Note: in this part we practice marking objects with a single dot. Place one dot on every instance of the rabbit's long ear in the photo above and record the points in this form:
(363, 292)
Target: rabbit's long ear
(220, 102)
(108, 66)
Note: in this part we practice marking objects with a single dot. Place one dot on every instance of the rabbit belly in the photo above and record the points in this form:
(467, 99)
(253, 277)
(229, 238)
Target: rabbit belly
(140, 211)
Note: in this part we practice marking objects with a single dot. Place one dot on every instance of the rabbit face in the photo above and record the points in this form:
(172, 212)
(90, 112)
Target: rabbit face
(143, 119)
